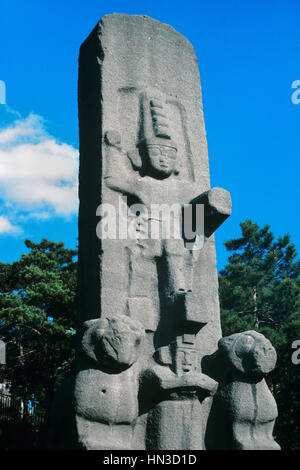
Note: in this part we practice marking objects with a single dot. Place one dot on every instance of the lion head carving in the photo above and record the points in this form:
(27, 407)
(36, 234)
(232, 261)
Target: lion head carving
(249, 352)
(113, 341)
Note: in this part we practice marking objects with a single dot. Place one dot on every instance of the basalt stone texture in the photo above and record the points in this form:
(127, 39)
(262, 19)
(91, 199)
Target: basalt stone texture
(244, 410)
(148, 365)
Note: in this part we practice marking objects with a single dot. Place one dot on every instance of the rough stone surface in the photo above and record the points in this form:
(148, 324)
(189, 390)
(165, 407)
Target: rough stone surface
(244, 410)
(148, 364)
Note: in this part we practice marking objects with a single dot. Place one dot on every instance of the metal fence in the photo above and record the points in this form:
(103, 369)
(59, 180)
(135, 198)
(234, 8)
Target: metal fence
(15, 409)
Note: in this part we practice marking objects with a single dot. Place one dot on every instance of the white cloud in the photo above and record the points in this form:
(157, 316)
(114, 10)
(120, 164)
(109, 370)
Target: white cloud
(31, 127)
(38, 174)
(6, 226)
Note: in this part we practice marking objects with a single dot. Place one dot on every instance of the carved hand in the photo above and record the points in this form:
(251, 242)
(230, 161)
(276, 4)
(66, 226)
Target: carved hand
(191, 379)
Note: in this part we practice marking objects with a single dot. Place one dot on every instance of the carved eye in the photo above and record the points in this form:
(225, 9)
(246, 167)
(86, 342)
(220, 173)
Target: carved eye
(154, 151)
(171, 153)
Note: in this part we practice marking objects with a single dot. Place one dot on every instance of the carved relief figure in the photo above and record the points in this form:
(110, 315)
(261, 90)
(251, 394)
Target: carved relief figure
(149, 174)
(176, 421)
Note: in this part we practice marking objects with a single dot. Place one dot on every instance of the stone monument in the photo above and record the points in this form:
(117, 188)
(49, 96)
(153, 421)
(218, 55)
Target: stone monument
(148, 364)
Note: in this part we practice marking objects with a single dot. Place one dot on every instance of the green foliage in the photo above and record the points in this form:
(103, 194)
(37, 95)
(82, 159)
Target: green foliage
(42, 284)
(259, 290)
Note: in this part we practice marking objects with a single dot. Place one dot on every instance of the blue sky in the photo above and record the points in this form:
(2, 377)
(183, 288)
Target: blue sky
(248, 53)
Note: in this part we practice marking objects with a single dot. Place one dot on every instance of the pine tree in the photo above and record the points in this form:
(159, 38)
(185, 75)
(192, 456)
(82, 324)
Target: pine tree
(37, 319)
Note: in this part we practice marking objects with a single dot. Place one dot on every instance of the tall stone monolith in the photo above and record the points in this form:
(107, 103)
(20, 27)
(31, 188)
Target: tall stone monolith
(139, 96)
(149, 322)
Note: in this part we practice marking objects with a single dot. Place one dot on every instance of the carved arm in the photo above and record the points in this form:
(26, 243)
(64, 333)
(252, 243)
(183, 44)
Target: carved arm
(118, 176)
(217, 208)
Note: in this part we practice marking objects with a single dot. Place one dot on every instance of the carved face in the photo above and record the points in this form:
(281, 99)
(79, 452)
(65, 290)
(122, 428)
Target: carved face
(161, 159)
(113, 341)
(185, 360)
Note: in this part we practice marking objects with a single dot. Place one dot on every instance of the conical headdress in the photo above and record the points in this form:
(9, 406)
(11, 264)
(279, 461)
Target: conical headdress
(154, 128)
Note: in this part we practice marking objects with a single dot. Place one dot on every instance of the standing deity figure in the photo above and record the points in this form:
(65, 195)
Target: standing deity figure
(182, 388)
(150, 177)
